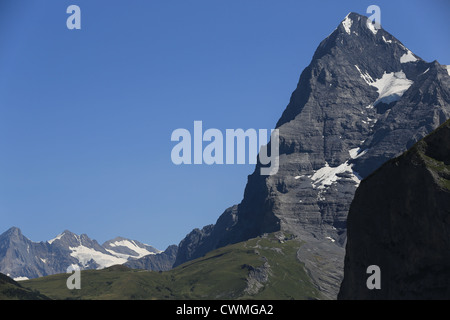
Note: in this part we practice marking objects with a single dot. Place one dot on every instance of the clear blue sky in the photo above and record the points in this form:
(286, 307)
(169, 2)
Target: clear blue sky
(86, 115)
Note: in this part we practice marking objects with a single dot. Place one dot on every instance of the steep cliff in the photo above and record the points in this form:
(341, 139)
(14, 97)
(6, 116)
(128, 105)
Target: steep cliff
(400, 222)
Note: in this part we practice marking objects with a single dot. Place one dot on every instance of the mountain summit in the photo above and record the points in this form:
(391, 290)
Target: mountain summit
(364, 99)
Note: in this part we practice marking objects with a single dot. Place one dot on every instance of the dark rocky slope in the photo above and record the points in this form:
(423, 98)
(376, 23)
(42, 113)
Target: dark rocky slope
(399, 220)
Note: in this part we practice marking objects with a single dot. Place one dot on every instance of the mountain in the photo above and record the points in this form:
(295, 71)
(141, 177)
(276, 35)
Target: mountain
(21, 258)
(364, 99)
(162, 261)
(399, 220)
(129, 249)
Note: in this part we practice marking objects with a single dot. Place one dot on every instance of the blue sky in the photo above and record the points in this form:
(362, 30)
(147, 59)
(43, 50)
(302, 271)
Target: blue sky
(86, 115)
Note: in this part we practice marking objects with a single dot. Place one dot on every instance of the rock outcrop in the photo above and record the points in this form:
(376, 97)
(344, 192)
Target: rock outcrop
(400, 222)
(162, 261)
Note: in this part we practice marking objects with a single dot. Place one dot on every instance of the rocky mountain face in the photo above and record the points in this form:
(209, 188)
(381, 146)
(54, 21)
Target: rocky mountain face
(364, 99)
(21, 258)
(127, 249)
(199, 242)
(162, 261)
(399, 221)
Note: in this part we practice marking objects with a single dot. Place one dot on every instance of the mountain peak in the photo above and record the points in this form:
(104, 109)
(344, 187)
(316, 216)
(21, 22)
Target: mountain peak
(355, 52)
(118, 238)
(13, 233)
(66, 234)
(129, 248)
(14, 230)
(360, 35)
(355, 23)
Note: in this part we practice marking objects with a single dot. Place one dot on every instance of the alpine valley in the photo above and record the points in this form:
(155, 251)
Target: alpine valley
(363, 100)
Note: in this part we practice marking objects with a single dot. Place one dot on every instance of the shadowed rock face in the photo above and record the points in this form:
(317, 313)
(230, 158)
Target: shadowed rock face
(400, 221)
(12, 290)
(157, 262)
(357, 105)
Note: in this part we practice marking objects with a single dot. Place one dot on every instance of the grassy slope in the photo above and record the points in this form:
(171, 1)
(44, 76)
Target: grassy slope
(11, 290)
(439, 168)
(221, 274)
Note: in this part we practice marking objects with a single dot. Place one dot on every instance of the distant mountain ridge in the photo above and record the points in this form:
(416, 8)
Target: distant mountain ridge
(21, 258)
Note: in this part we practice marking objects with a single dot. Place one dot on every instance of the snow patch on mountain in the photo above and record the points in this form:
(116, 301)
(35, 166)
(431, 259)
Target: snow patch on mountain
(357, 152)
(330, 238)
(408, 57)
(448, 69)
(84, 255)
(386, 40)
(371, 27)
(391, 86)
(20, 278)
(347, 23)
(327, 175)
(59, 236)
(132, 247)
(367, 78)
